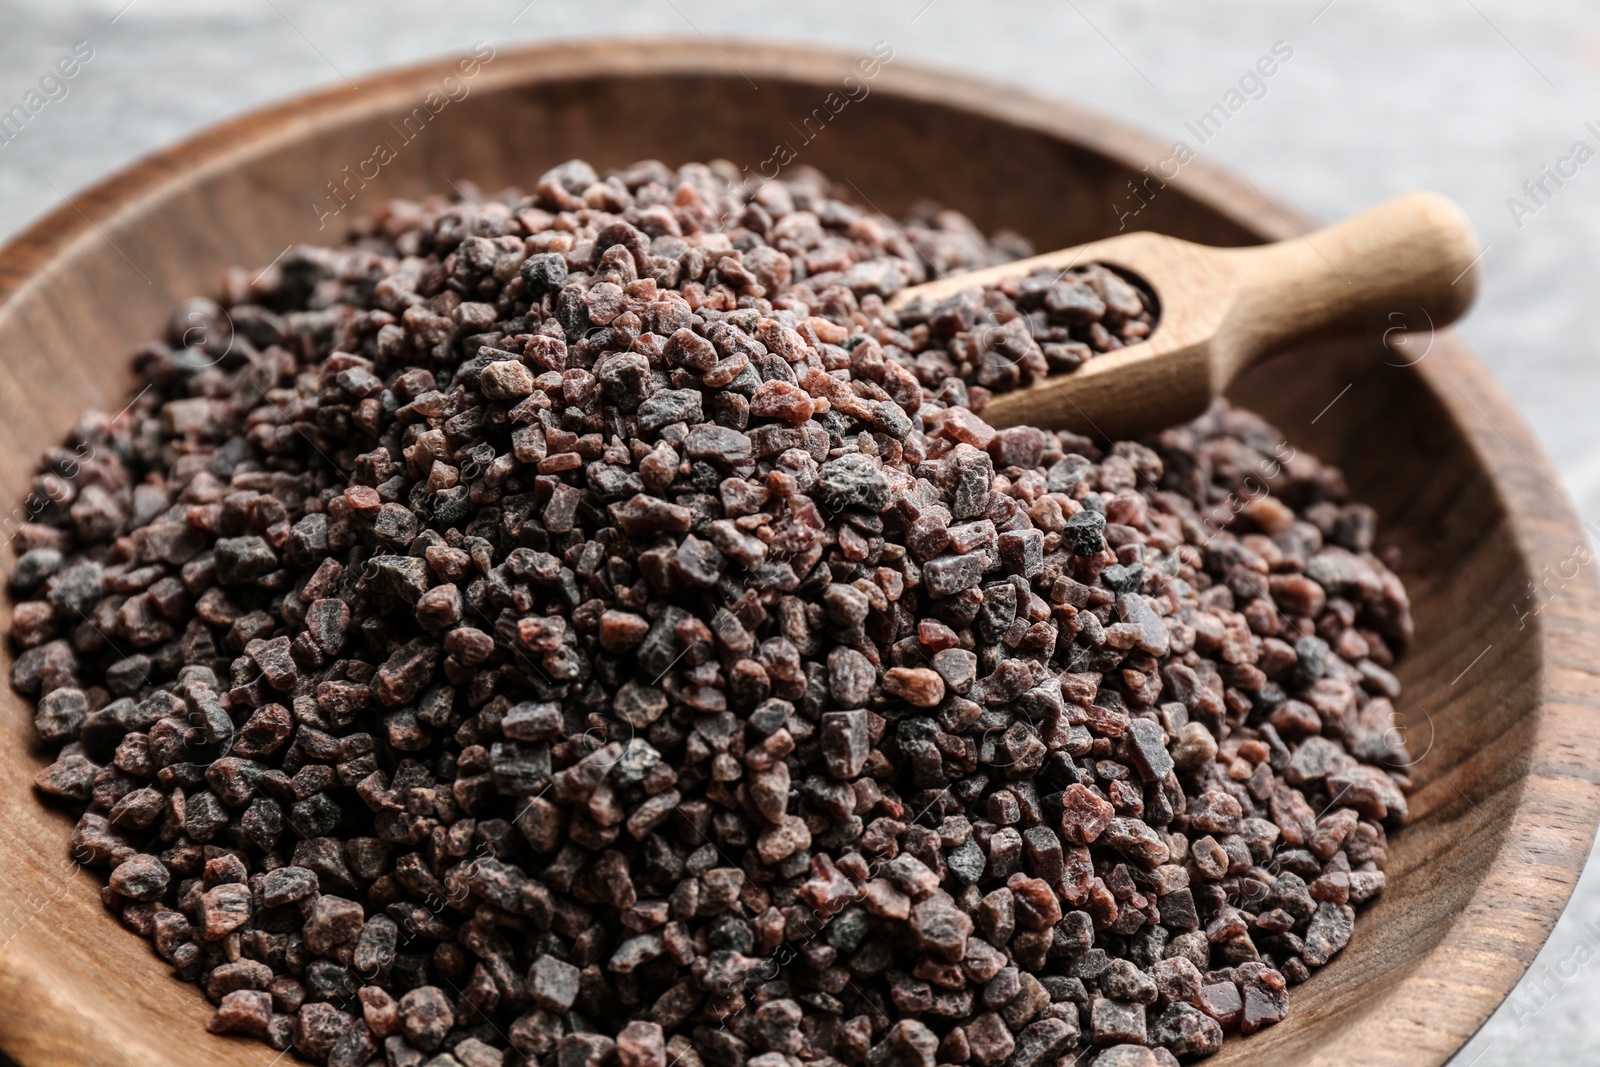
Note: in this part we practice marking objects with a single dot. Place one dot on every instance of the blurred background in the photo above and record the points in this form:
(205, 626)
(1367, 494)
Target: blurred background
(1483, 100)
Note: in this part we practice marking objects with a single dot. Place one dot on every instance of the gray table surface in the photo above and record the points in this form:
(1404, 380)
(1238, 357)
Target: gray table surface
(1470, 97)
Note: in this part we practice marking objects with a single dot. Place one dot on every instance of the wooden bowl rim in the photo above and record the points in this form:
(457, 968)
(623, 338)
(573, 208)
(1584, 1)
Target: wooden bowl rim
(1542, 522)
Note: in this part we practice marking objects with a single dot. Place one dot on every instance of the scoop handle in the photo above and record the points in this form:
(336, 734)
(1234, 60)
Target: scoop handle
(1410, 263)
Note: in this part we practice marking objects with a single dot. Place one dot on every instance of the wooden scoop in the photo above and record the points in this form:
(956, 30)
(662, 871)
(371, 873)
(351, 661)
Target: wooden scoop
(1409, 263)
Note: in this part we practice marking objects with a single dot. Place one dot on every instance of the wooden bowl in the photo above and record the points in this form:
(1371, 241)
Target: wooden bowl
(1500, 704)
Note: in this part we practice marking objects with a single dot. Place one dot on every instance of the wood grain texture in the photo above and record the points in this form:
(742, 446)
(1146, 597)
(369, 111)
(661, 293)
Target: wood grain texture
(1407, 263)
(1504, 711)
